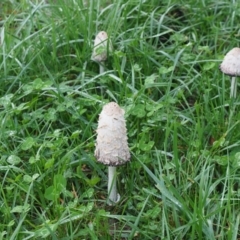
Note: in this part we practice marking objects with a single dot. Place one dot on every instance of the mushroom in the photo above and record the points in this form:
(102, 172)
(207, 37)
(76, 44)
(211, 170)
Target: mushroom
(111, 144)
(100, 50)
(231, 67)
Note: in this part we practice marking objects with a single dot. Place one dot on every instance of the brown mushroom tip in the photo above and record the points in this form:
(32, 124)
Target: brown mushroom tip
(231, 63)
(113, 108)
(102, 35)
(111, 144)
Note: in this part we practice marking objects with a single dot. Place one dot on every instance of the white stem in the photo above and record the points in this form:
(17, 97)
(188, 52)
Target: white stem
(101, 68)
(101, 71)
(233, 90)
(112, 186)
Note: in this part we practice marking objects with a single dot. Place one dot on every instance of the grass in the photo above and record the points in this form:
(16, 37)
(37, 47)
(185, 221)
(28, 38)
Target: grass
(183, 178)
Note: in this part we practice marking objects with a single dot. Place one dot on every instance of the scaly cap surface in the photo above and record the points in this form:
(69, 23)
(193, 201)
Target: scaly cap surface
(111, 144)
(231, 63)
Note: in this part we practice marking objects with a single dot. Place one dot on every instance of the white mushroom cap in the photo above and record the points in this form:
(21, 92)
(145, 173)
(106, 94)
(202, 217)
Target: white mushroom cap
(231, 63)
(100, 47)
(111, 145)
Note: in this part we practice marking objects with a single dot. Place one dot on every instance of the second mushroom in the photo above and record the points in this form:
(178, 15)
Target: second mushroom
(102, 45)
(231, 66)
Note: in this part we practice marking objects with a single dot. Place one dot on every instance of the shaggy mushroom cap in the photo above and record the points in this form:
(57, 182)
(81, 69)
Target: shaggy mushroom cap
(100, 47)
(111, 145)
(231, 63)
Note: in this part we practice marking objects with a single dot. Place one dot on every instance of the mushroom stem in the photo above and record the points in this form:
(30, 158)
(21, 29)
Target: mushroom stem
(101, 68)
(112, 186)
(101, 71)
(233, 91)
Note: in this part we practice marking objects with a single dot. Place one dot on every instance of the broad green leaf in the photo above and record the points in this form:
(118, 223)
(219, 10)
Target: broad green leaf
(51, 193)
(49, 163)
(46, 230)
(20, 108)
(27, 143)
(86, 209)
(58, 187)
(146, 146)
(93, 181)
(50, 115)
(20, 209)
(139, 111)
(179, 37)
(14, 160)
(35, 176)
(137, 68)
(153, 212)
(6, 100)
(59, 182)
(150, 80)
(27, 178)
(88, 194)
(38, 83)
(164, 70)
(76, 133)
(219, 143)
(33, 159)
(236, 160)
(209, 66)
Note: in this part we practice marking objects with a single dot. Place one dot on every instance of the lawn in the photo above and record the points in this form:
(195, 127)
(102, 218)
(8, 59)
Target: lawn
(183, 180)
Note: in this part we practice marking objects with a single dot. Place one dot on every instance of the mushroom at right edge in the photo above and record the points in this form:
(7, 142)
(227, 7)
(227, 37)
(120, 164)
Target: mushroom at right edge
(231, 66)
(111, 145)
